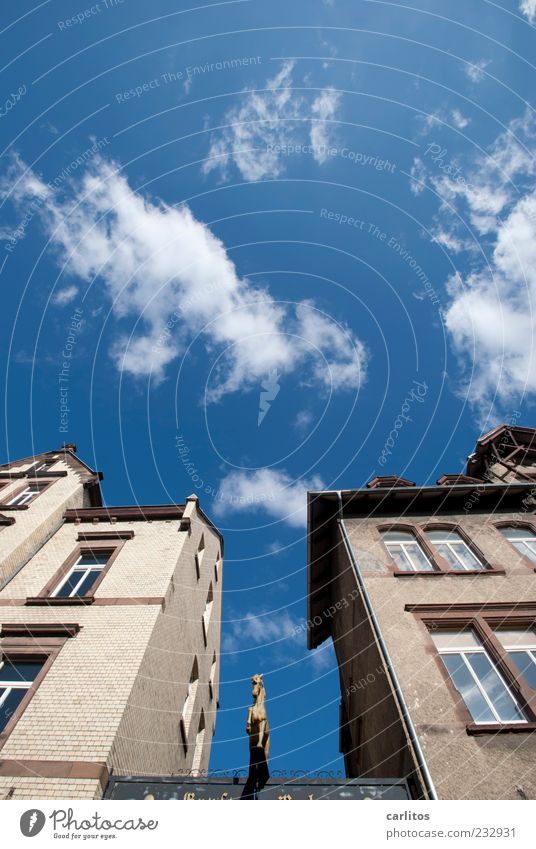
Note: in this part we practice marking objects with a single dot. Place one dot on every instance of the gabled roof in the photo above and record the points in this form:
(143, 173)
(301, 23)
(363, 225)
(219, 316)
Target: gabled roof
(67, 452)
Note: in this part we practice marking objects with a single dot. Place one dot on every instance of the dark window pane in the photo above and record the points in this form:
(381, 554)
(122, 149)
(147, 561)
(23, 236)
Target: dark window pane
(464, 683)
(87, 583)
(19, 671)
(71, 582)
(9, 706)
(494, 687)
(93, 559)
(526, 666)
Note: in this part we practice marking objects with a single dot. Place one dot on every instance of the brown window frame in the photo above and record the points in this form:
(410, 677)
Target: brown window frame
(29, 642)
(482, 619)
(86, 545)
(28, 482)
(441, 566)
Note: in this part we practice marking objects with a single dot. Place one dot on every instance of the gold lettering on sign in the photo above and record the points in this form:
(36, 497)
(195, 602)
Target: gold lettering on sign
(189, 796)
(285, 798)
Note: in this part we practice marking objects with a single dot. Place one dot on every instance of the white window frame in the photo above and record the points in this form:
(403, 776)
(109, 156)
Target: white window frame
(529, 541)
(530, 648)
(98, 569)
(404, 546)
(480, 649)
(452, 548)
(13, 685)
(26, 496)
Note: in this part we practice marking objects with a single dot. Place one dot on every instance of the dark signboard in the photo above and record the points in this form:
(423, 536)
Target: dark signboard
(192, 789)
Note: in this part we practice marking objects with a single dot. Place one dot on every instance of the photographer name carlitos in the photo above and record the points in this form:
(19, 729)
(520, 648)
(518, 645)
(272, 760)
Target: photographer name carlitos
(64, 819)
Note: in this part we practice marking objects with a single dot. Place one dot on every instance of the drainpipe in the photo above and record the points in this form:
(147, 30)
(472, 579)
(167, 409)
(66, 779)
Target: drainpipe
(410, 727)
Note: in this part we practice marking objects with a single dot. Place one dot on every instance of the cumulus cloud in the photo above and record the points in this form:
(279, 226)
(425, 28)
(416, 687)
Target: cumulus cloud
(490, 316)
(528, 8)
(161, 265)
(255, 130)
(268, 490)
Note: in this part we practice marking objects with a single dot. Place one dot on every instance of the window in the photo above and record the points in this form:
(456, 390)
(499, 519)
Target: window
(479, 683)
(189, 703)
(208, 613)
(212, 678)
(16, 678)
(406, 551)
(454, 549)
(199, 556)
(521, 648)
(28, 493)
(523, 539)
(44, 466)
(82, 575)
(199, 743)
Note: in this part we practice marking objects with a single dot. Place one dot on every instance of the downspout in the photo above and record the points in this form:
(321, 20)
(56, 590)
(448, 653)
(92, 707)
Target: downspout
(410, 727)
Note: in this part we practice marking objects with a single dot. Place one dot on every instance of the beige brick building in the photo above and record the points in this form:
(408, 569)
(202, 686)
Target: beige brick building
(429, 594)
(109, 633)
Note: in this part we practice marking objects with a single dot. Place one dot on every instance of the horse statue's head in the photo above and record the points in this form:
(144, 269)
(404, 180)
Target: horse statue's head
(257, 688)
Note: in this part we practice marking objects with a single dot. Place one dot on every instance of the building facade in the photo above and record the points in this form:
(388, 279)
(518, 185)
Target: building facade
(109, 633)
(429, 594)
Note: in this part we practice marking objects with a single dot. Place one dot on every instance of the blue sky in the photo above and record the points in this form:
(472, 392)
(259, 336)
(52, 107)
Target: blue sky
(330, 203)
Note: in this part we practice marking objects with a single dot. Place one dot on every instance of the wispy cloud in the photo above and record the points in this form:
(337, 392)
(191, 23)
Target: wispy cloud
(261, 629)
(528, 8)
(255, 130)
(476, 70)
(161, 265)
(64, 296)
(324, 110)
(272, 492)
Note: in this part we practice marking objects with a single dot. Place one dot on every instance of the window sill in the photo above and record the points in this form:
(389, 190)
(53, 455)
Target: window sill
(401, 573)
(14, 506)
(506, 728)
(46, 601)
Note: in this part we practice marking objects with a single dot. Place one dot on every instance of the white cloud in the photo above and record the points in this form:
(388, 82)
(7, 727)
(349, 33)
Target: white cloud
(323, 657)
(528, 8)
(265, 121)
(418, 173)
(476, 70)
(491, 313)
(274, 492)
(459, 120)
(488, 186)
(324, 110)
(261, 629)
(64, 296)
(161, 265)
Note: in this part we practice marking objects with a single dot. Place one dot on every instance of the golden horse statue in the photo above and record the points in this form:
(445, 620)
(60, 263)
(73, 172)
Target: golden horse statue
(258, 730)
